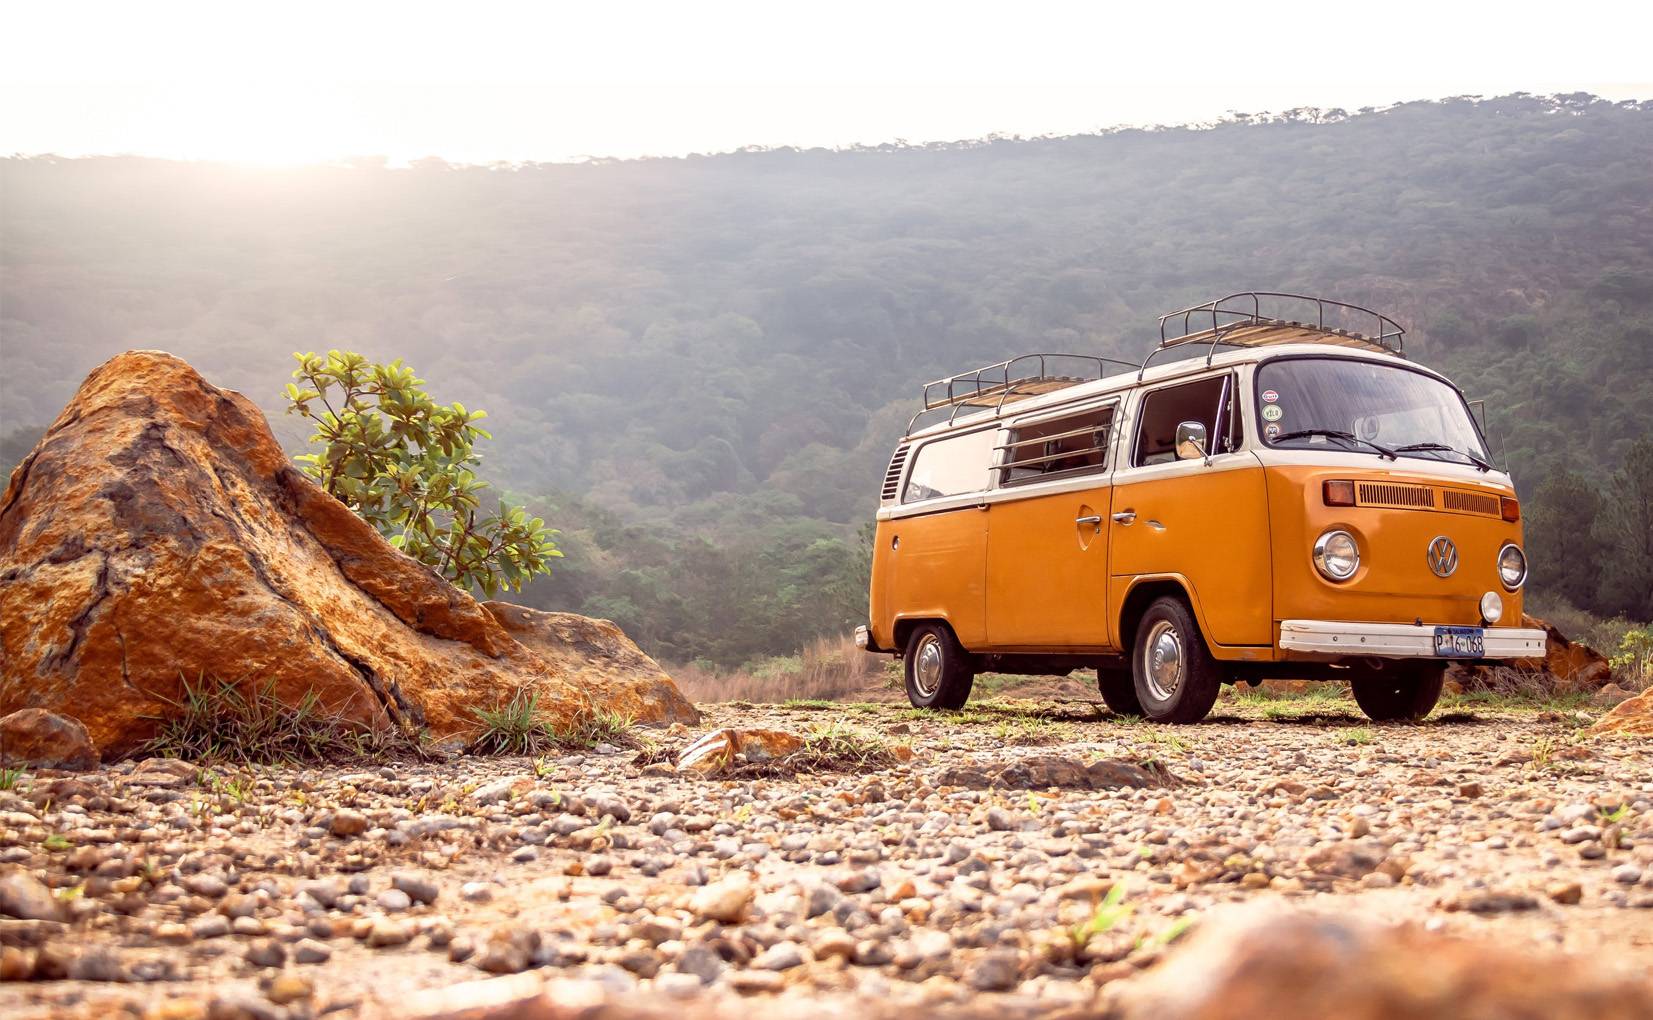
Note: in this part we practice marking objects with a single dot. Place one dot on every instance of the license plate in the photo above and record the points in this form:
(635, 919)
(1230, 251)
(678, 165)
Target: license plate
(1459, 642)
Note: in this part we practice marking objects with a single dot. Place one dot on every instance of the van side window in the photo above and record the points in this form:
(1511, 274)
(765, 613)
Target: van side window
(951, 466)
(1164, 409)
(1074, 445)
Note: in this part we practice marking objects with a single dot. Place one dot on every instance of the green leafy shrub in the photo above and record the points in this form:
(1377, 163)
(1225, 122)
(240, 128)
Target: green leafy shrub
(406, 464)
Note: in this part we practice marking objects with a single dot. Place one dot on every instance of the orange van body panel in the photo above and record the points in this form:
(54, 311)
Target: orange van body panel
(1394, 583)
(1047, 575)
(932, 568)
(1211, 528)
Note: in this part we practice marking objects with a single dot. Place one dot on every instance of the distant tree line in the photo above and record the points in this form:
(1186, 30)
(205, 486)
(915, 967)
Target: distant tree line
(1591, 539)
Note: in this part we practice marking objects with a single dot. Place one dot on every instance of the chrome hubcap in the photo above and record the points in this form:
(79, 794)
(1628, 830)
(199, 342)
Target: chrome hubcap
(927, 667)
(1162, 660)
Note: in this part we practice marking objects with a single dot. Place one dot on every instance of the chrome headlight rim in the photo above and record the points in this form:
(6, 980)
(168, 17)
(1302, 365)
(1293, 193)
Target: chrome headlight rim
(1323, 555)
(1521, 579)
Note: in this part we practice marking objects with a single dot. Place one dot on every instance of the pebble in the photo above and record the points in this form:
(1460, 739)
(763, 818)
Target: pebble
(1628, 874)
(347, 823)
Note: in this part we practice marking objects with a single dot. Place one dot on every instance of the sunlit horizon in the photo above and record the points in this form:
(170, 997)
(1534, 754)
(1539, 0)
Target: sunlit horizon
(521, 83)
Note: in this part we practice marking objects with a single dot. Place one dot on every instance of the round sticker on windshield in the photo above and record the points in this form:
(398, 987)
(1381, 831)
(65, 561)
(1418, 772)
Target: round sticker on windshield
(1271, 430)
(1270, 396)
(1273, 413)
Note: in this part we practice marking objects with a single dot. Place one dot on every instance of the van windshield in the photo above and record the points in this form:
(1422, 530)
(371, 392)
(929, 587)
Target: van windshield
(1344, 403)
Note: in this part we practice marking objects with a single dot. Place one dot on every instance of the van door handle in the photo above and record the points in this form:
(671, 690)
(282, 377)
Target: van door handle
(1095, 519)
(1125, 517)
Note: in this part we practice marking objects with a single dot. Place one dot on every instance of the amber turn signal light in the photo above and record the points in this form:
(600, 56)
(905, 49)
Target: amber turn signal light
(1340, 492)
(1511, 507)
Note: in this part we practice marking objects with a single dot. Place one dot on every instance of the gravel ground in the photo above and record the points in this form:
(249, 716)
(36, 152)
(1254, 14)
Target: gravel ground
(957, 874)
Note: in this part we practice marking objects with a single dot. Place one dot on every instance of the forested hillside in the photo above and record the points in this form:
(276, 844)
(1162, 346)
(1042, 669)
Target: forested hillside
(697, 367)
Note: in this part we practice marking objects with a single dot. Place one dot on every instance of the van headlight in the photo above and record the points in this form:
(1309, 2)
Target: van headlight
(1512, 566)
(1336, 555)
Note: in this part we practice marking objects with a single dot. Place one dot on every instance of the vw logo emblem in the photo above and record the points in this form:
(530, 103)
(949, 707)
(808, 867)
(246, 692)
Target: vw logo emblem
(1443, 556)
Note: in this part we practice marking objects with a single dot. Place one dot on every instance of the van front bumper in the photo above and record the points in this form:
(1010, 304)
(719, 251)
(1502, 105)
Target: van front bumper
(1400, 640)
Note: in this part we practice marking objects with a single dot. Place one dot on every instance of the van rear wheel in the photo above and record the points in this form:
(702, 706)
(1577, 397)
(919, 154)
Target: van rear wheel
(938, 670)
(1118, 689)
(1398, 691)
(1176, 678)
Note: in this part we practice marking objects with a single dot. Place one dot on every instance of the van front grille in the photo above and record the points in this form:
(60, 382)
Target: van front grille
(1470, 502)
(892, 477)
(1404, 497)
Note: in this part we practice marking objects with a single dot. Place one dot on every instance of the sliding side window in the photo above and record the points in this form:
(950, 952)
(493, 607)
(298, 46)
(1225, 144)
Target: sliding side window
(1058, 448)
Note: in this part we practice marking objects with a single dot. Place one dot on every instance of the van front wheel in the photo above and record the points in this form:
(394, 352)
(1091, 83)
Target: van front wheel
(1398, 691)
(939, 671)
(1175, 676)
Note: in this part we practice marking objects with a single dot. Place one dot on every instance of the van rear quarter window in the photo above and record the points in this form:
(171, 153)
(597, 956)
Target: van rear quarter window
(951, 466)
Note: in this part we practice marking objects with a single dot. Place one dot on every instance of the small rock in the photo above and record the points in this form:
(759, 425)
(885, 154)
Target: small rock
(1566, 893)
(780, 956)
(509, 950)
(394, 900)
(347, 823)
(724, 901)
(1628, 874)
(387, 932)
(311, 951)
(285, 989)
(266, 953)
(998, 971)
(476, 892)
(23, 896)
(36, 738)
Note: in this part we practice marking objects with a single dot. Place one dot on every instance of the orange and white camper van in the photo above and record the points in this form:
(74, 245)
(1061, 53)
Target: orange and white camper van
(1291, 498)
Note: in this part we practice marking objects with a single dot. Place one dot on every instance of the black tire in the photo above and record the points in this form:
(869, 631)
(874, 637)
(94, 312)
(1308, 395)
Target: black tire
(1398, 691)
(1182, 691)
(1118, 689)
(942, 681)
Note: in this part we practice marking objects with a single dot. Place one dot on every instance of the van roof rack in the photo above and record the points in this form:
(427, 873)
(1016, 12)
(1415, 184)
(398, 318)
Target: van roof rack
(1005, 382)
(1238, 321)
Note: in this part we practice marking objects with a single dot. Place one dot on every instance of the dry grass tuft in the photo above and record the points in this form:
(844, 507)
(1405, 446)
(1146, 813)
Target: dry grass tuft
(827, 669)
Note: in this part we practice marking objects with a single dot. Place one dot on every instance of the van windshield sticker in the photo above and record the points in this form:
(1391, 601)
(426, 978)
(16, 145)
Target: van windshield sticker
(1273, 412)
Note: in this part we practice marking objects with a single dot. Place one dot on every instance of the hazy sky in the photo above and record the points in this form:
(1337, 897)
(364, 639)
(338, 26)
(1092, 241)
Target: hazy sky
(484, 81)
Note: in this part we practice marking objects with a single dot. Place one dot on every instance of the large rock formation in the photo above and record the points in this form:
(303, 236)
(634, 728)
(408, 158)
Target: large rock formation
(158, 532)
(1567, 666)
(597, 655)
(1632, 718)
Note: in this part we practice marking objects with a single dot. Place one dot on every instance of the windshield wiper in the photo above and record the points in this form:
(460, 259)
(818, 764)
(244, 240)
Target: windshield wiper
(1350, 437)
(1443, 448)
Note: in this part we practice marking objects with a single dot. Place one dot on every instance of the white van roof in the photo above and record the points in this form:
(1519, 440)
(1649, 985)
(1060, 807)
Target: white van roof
(1032, 394)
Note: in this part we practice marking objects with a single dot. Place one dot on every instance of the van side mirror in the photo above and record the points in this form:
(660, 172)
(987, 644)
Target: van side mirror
(1191, 440)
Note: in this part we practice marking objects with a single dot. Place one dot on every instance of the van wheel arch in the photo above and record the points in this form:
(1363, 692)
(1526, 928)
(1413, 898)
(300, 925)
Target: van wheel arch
(1139, 599)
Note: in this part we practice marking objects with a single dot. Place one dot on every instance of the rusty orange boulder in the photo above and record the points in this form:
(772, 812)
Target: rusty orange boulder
(159, 532)
(597, 655)
(1632, 718)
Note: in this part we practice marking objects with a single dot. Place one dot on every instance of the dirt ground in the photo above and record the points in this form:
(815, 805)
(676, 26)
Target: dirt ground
(1029, 850)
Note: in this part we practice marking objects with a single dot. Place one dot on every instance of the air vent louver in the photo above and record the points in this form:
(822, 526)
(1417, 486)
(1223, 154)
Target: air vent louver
(892, 477)
(1470, 502)
(1405, 497)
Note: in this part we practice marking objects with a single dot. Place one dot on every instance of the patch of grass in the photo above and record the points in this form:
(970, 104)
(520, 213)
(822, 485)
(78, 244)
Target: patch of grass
(1029, 730)
(219, 721)
(838, 746)
(1357, 736)
(1112, 911)
(9, 778)
(56, 841)
(517, 727)
(1167, 739)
